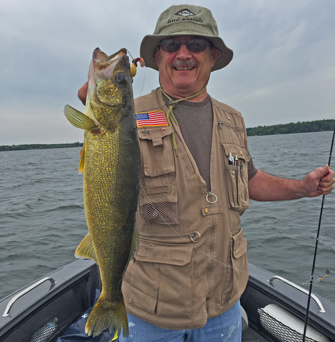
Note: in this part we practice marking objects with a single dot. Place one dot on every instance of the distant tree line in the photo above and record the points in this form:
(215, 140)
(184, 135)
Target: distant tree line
(37, 146)
(299, 127)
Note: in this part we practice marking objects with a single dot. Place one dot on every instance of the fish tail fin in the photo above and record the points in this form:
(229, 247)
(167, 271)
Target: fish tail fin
(105, 314)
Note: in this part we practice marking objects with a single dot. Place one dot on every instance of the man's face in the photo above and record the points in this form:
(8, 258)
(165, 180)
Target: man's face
(184, 73)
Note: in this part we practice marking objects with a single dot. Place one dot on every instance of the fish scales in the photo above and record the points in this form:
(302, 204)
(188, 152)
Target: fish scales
(111, 162)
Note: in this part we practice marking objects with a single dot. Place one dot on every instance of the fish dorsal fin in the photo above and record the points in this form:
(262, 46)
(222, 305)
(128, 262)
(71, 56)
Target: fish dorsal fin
(78, 119)
(82, 159)
(86, 249)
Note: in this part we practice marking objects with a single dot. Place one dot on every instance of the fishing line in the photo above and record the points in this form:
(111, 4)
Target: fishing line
(130, 54)
(145, 71)
(228, 266)
(319, 279)
(186, 240)
(144, 77)
(192, 244)
(316, 248)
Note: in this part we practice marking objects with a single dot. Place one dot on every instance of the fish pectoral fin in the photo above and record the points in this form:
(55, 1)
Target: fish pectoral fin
(78, 119)
(82, 159)
(86, 249)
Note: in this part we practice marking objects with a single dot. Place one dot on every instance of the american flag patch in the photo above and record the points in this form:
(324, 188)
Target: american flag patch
(155, 118)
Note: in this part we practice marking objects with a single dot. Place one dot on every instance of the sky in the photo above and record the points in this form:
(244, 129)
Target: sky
(283, 68)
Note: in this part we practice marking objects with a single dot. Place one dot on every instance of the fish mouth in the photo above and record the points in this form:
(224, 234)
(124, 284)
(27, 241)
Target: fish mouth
(101, 57)
(106, 65)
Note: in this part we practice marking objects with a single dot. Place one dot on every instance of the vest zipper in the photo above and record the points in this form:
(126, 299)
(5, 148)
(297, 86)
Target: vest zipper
(212, 261)
(222, 123)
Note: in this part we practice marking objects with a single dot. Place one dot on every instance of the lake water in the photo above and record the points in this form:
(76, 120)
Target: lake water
(42, 217)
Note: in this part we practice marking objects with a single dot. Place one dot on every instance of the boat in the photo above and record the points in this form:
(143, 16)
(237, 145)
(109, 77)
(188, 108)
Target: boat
(272, 307)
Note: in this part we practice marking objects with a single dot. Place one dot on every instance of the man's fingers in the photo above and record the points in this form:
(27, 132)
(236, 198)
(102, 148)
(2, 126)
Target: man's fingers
(321, 181)
(326, 182)
(328, 176)
(326, 188)
(326, 192)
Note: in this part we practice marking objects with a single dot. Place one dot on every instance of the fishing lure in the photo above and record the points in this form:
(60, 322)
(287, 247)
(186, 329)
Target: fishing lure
(133, 68)
(318, 279)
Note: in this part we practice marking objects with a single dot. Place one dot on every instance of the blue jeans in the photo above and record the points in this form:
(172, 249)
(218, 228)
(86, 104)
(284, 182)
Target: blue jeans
(226, 327)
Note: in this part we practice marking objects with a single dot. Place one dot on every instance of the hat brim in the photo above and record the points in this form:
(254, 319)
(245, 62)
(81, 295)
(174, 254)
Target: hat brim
(149, 44)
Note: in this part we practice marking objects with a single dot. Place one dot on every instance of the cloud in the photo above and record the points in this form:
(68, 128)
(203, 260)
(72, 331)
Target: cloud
(283, 66)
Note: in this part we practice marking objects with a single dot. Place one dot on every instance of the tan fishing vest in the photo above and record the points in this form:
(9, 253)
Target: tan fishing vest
(191, 263)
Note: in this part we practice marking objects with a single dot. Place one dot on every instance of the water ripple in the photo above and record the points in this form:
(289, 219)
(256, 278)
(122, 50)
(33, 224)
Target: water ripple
(42, 215)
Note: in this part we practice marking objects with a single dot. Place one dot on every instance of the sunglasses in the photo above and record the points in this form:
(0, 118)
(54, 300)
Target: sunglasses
(193, 45)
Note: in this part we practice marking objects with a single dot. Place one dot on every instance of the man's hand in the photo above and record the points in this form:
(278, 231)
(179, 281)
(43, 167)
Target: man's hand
(82, 92)
(319, 182)
(265, 187)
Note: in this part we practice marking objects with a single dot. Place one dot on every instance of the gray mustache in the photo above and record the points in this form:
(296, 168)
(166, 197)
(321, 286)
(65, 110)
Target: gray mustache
(183, 64)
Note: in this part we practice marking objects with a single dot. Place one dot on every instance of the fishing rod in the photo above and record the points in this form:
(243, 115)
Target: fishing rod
(316, 248)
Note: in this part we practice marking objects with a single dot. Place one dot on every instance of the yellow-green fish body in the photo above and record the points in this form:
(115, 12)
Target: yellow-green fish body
(110, 160)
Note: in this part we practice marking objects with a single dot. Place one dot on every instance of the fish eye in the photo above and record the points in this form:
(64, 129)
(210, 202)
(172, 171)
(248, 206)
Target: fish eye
(120, 77)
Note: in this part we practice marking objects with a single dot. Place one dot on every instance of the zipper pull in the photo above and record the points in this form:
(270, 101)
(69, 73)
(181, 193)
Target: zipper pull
(210, 194)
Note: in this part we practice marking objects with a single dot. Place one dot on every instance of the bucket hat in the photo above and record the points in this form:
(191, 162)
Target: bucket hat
(185, 20)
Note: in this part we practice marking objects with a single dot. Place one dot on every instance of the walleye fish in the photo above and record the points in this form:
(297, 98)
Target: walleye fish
(110, 160)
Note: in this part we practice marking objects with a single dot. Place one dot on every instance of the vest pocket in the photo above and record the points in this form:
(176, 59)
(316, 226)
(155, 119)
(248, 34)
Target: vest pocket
(162, 279)
(237, 273)
(240, 265)
(158, 198)
(236, 175)
(159, 204)
(157, 153)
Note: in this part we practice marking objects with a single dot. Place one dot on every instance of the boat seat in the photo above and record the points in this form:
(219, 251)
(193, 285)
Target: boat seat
(285, 326)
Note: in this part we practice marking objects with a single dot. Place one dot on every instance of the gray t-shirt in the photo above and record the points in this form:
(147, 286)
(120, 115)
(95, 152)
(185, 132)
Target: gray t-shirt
(195, 120)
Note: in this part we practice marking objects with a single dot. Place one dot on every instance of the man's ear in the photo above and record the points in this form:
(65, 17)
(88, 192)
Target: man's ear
(215, 54)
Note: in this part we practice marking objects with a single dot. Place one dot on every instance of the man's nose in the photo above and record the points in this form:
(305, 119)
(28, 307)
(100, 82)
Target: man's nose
(183, 52)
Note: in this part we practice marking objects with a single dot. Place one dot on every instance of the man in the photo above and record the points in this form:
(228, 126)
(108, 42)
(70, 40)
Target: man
(197, 176)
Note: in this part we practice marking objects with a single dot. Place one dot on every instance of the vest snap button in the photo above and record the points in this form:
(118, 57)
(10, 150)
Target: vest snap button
(206, 210)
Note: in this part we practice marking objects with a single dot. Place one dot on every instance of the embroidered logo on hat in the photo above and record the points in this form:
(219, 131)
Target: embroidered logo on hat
(185, 13)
